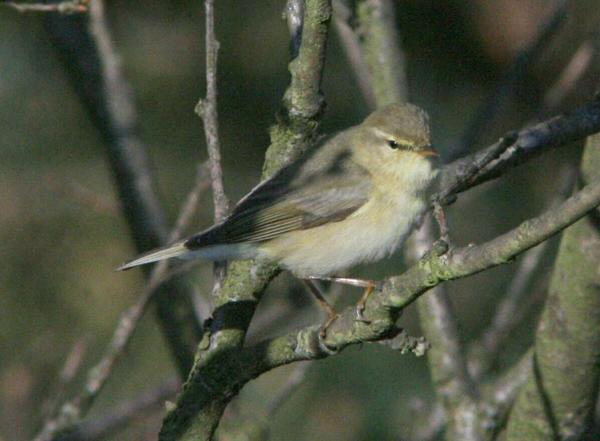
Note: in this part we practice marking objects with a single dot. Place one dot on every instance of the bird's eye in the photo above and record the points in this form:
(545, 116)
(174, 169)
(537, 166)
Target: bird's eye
(393, 144)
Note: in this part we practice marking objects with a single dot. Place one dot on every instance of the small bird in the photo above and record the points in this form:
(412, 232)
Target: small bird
(352, 198)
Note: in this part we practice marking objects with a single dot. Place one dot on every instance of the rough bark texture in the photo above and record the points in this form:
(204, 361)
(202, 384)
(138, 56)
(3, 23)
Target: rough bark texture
(558, 399)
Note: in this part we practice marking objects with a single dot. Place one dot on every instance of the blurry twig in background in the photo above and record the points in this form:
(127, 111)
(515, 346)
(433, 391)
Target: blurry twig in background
(572, 73)
(198, 410)
(73, 410)
(65, 7)
(509, 81)
(343, 21)
(67, 373)
(120, 414)
(85, 197)
(294, 380)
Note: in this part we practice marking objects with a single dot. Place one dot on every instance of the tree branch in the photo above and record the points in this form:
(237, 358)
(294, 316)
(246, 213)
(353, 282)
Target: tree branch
(558, 399)
(197, 411)
(89, 56)
(212, 381)
(555, 132)
(381, 49)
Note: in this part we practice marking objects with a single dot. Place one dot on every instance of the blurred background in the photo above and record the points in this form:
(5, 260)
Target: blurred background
(62, 232)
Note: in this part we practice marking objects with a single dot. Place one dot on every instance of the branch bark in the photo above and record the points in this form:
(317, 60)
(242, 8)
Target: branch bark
(558, 400)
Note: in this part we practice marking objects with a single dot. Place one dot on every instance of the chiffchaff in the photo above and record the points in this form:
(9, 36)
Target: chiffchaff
(349, 199)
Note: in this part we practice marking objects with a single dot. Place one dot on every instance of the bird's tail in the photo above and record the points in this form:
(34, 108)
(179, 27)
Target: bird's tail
(175, 250)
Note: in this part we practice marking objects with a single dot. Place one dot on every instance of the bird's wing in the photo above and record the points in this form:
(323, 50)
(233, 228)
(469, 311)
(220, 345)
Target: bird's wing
(292, 200)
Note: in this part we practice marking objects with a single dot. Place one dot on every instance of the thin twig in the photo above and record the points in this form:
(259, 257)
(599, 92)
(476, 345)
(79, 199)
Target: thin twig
(381, 48)
(349, 39)
(570, 76)
(513, 76)
(207, 110)
(68, 372)
(119, 415)
(558, 131)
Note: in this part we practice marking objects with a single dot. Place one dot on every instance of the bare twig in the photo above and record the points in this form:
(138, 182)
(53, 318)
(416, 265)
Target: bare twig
(558, 131)
(513, 76)
(118, 416)
(207, 110)
(64, 7)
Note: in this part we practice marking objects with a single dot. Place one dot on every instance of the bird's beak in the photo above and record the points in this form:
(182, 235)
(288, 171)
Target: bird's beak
(428, 151)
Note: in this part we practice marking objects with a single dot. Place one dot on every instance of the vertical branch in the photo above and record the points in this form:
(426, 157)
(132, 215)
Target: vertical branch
(90, 58)
(446, 358)
(381, 47)
(207, 110)
(558, 399)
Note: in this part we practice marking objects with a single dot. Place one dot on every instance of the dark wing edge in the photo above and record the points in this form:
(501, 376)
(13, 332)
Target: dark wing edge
(272, 208)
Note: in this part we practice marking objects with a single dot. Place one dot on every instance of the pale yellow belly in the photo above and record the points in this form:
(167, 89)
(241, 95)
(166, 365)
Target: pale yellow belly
(373, 232)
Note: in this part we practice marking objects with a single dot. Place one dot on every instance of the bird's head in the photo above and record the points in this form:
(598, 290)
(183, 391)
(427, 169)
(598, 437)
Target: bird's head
(395, 141)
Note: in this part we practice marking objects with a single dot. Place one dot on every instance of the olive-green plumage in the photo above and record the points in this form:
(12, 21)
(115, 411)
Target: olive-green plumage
(351, 198)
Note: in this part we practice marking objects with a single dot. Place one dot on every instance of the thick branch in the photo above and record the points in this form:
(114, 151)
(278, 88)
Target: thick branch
(381, 48)
(559, 397)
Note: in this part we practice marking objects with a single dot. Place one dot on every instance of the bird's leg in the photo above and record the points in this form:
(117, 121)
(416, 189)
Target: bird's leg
(331, 314)
(369, 286)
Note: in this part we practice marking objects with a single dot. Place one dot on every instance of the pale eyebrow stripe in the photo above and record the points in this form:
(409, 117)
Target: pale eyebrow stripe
(389, 136)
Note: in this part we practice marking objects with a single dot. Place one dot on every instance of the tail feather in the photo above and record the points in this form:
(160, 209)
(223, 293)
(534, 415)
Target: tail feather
(176, 250)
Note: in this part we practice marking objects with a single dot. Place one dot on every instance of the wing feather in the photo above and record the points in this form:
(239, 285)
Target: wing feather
(293, 200)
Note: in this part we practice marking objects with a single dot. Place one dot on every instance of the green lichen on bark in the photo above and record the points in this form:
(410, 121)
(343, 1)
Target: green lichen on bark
(558, 399)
